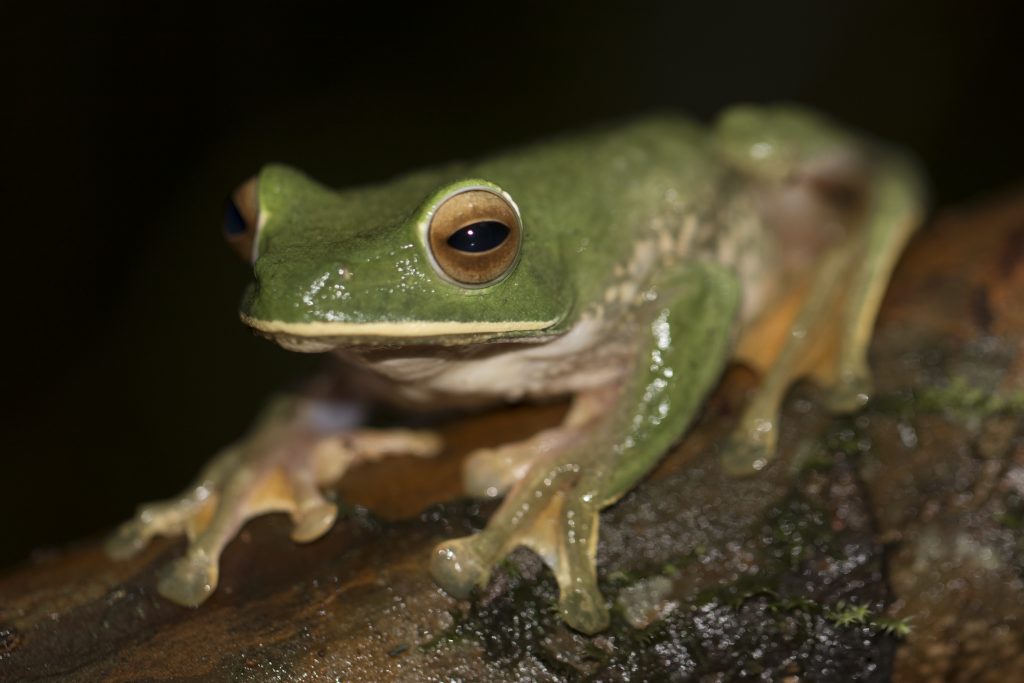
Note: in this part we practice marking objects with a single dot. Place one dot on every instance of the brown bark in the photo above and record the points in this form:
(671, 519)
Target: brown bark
(913, 509)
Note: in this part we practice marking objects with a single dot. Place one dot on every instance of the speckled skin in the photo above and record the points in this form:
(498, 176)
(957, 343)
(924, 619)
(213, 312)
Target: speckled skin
(651, 255)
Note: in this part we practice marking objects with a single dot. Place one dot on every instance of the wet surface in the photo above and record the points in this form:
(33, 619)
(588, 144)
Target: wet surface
(884, 546)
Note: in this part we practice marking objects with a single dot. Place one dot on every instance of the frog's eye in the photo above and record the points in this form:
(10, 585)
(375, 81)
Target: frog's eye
(474, 236)
(241, 218)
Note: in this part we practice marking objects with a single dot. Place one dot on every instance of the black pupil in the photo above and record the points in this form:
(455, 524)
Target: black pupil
(234, 224)
(477, 237)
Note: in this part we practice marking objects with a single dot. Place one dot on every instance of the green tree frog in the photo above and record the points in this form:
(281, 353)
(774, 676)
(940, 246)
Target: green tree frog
(623, 268)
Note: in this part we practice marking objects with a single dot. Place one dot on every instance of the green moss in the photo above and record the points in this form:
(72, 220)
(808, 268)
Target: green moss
(1013, 513)
(845, 436)
(1012, 518)
(898, 628)
(841, 614)
(754, 631)
(958, 398)
(795, 528)
(751, 627)
(845, 615)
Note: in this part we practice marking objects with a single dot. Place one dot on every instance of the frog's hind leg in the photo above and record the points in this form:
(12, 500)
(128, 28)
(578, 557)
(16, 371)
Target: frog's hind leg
(752, 443)
(829, 337)
(896, 211)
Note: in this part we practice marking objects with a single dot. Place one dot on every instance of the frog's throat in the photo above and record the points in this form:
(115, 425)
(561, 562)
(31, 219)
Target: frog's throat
(405, 329)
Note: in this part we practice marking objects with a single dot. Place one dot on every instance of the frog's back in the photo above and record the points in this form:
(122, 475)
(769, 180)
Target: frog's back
(604, 193)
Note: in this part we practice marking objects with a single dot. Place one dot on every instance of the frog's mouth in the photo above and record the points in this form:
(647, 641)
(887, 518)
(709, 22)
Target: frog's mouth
(318, 336)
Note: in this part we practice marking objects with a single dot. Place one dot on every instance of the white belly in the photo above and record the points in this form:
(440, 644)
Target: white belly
(583, 358)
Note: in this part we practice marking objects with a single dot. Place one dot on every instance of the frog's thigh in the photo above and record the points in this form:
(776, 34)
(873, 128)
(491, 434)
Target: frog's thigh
(554, 508)
(829, 337)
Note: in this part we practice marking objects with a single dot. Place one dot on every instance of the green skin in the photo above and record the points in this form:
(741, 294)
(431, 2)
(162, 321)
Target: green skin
(582, 200)
(646, 253)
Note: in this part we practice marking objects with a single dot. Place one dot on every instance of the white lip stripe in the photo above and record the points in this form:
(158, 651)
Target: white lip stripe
(411, 328)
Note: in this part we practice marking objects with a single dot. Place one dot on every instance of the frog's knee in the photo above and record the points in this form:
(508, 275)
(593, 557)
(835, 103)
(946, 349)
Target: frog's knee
(770, 142)
(458, 567)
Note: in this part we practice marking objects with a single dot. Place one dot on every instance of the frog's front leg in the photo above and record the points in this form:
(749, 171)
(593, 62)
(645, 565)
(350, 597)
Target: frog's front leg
(299, 445)
(685, 325)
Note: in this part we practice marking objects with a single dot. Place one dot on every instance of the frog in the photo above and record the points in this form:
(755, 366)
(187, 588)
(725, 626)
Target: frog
(622, 269)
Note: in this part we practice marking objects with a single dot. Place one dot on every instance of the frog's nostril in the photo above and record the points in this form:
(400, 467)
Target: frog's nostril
(241, 219)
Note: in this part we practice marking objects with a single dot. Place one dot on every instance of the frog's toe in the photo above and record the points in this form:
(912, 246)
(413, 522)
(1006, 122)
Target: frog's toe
(583, 609)
(155, 519)
(188, 580)
(748, 450)
(568, 543)
(459, 567)
(314, 521)
(851, 393)
(490, 472)
(128, 541)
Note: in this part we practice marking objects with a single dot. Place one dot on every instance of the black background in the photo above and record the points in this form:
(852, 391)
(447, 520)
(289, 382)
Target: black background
(124, 125)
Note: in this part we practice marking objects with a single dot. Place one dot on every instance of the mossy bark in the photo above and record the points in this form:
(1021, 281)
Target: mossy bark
(908, 515)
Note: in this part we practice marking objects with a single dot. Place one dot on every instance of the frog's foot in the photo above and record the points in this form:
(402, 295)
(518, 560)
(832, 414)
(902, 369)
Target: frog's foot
(279, 469)
(851, 391)
(749, 449)
(548, 513)
(752, 444)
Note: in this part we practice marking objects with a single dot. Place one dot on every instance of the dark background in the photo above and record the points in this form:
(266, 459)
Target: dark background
(124, 125)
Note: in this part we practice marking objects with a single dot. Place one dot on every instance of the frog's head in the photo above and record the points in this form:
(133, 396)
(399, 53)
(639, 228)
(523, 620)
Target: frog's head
(431, 258)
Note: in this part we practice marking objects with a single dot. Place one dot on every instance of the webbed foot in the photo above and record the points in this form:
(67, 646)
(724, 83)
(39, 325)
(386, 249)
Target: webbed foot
(559, 525)
(851, 392)
(549, 508)
(279, 468)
